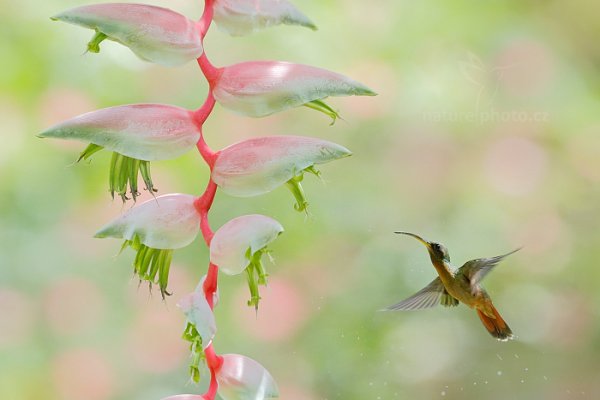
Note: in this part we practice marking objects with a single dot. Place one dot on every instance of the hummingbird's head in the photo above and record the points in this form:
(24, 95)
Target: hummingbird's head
(437, 251)
(440, 251)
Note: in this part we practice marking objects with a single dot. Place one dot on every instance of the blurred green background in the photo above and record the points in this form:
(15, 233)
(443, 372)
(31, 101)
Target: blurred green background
(485, 137)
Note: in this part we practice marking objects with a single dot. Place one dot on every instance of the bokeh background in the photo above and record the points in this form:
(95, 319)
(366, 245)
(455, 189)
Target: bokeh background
(484, 136)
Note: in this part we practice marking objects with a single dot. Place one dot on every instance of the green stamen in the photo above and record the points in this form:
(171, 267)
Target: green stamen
(94, 45)
(89, 151)
(151, 265)
(323, 107)
(296, 189)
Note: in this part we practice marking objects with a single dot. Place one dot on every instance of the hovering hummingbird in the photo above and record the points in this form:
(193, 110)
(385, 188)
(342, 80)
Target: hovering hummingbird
(454, 286)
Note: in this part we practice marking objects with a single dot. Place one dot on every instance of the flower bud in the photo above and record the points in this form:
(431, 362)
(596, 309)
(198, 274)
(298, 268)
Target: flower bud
(261, 88)
(259, 165)
(153, 33)
(241, 17)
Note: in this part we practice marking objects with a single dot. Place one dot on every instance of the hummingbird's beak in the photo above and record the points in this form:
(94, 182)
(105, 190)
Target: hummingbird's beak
(419, 238)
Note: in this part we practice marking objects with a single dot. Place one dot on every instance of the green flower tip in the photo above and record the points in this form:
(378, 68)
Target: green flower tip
(321, 106)
(150, 265)
(365, 91)
(296, 188)
(256, 275)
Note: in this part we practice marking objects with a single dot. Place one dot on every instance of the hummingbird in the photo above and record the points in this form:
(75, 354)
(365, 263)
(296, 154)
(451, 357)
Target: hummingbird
(462, 285)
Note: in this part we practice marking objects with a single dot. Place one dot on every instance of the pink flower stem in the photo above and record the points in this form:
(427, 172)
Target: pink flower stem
(200, 117)
(204, 202)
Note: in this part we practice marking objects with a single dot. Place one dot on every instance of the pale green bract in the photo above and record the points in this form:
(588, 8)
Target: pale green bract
(242, 17)
(167, 222)
(147, 132)
(154, 34)
(234, 244)
(242, 378)
(259, 165)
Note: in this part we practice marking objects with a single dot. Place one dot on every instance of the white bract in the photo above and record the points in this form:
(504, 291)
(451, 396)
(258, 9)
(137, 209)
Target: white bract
(167, 222)
(261, 88)
(142, 131)
(259, 165)
(198, 313)
(234, 244)
(154, 34)
(241, 378)
(241, 17)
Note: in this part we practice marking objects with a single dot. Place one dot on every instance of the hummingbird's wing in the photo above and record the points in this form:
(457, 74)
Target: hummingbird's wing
(476, 270)
(430, 296)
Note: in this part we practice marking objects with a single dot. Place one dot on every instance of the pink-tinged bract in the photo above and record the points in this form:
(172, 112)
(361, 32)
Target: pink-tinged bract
(185, 397)
(261, 88)
(259, 165)
(147, 132)
(241, 378)
(198, 312)
(241, 238)
(154, 34)
(167, 222)
(241, 17)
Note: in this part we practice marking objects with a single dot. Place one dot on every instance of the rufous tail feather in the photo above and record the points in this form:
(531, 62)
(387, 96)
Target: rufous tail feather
(497, 327)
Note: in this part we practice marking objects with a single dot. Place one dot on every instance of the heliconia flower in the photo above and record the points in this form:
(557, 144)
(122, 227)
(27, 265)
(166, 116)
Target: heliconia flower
(154, 229)
(238, 246)
(137, 134)
(261, 88)
(201, 326)
(153, 33)
(259, 165)
(241, 17)
(241, 378)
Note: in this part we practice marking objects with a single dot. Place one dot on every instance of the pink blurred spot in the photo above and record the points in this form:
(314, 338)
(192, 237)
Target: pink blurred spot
(380, 77)
(59, 104)
(72, 305)
(515, 165)
(542, 233)
(83, 374)
(290, 392)
(154, 341)
(425, 158)
(16, 317)
(525, 67)
(568, 318)
(281, 313)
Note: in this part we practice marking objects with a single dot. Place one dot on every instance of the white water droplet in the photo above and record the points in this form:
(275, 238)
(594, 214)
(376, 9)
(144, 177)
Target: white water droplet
(443, 393)
(499, 373)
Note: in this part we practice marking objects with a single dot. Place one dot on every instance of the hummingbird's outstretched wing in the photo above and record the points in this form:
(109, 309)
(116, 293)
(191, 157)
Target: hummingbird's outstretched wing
(476, 270)
(430, 296)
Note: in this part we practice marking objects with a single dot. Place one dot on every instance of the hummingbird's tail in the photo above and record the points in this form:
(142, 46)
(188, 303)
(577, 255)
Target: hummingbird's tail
(497, 327)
